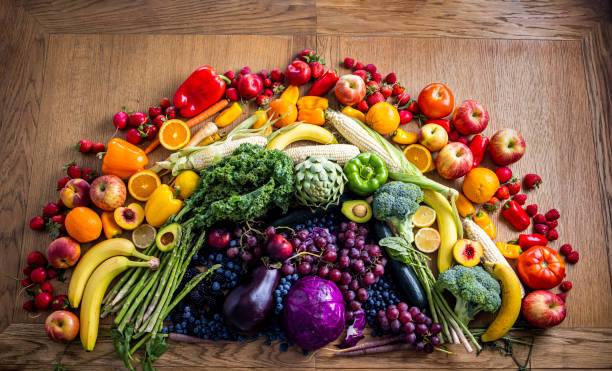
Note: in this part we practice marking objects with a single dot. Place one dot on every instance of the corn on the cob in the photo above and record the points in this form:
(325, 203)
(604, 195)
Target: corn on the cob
(341, 153)
(491, 252)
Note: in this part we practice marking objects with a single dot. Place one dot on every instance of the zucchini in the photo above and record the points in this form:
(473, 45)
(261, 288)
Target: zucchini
(403, 274)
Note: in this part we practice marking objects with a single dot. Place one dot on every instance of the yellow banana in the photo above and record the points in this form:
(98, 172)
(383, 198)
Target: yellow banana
(446, 227)
(302, 132)
(96, 286)
(92, 258)
(511, 301)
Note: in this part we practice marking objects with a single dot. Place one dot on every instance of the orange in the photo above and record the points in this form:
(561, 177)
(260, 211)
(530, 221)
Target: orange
(174, 134)
(142, 184)
(419, 156)
(480, 184)
(83, 224)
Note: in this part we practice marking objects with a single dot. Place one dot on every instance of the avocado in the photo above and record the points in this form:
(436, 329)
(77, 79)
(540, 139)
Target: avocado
(168, 237)
(358, 211)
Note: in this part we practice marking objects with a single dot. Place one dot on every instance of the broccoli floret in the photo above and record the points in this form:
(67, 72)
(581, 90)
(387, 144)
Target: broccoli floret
(397, 202)
(473, 287)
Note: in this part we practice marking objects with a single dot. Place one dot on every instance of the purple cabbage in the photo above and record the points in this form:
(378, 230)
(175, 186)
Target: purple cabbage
(355, 331)
(314, 312)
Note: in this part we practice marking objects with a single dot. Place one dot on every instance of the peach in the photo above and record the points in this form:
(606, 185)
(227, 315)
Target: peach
(468, 252)
(63, 252)
(75, 193)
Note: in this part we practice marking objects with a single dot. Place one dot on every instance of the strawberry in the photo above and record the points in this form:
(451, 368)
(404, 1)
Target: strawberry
(89, 174)
(268, 93)
(519, 198)
(552, 234)
(267, 82)
(46, 287)
(84, 145)
(262, 100)
(136, 118)
(229, 74)
(562, 296)
(159, 120)
(391, 78)
(277, 87)
(72, 170)
(514, 186)
(541, 229)
(306, 53)
(552, 214)
(59, 302)
(50, 209)
(539, 219)
(150, 131)
(566, 286)
(531, 209)
(62, 182)
(565, 249)
(42, 301)
(374, 98)
(502, 193)
(133, 136)
(363, 106)
(492, 204)
(403, 99)
(231, 94)
(453, 136)
(532, 181)
(36, 259)
(552, 223)
(573, 257)
(371, 87)
(349, 63)
(361, 73)
(245, 70)
(60, 203)
(376, 76)
(370, 68)
(29, 306)
(398, 89)
(171, 112)
(165, 102)
(316, 70)
(154, 111)
(358, 66)
(98, 147)
(59, 219)
(37, 223)
(386, 91)
(414, 107)
(277, 75)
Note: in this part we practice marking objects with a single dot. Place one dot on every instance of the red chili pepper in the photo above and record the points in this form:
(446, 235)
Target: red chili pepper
(201, 90)
(323, 85)
(478, 146)
(514, 213)
(526, 241)
(446, 124)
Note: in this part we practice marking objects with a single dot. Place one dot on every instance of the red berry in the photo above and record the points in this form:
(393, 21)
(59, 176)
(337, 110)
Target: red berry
(504, 174)
(27, 270)
(231, 94)
(531, 209)
(37, 223)
(316, 70)
(46, 287)
(26, 282)
(403, 99)
(268, 93)
(397, 89)
(377, 97)
(566, 286)
(38, 274)
(453, 136)
(42, 301)
(565, 249)
(136, 118)
(29, 306)
(171, 112)
(405, 116)
(159, 121)
(59, 302)
(120, 120)
(150, 131)
(541, 229)
(262, 100)
(573, 257)
(88, 175)
(267, 82)
(363, 106)
(372, 86)
(376, 76)
(414, 108)
(245, 70)
(277, 75)
(62, 182)
(73, 171)
(552, 214)
(552, 224)
(349, 62)
(539, 219)
(370, 68)
(502, 193)
(464, 140)
(532, 181)
(514, 186)
(99, 147)
(36, 259)
(238, 77)
(154, 111)
(306, 52)
(358, 66)
(386, 91)
(562, 296)
(552, 235)
(133, 136)
(277, 87)
(59, 219)
(264, 74)
(520, 198)
(50, 209)
(164, 103)
(229, 74)
(361, 73)
(391, 78)
(84, 145)
(234, 82)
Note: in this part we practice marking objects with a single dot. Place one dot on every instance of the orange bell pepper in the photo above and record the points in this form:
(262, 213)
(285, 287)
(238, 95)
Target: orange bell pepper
(291, 94)
(123, 159)
(313, 116)
(261, 121)
(310, 102)
(109, 226)
(464, 206)
(284, 109)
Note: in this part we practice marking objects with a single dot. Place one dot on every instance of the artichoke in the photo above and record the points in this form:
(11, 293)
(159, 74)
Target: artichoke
(319, 182)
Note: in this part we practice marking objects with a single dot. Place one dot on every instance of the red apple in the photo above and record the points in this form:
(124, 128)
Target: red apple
(64, 252)
(454, 160)
(470, 117)
(543, 309)
(350, 90)
(107, 192)
(62, 326)
(433, 136)
(75, 193)
(507, 146)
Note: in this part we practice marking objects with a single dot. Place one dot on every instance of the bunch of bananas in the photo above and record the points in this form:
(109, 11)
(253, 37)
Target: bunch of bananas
(92, 276)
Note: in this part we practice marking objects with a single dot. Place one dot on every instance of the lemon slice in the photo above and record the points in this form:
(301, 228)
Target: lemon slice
(143, 236)
(424, 217)
(427, 240)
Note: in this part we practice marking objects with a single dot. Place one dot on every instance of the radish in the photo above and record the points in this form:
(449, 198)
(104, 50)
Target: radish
(50, 209)
(37, 223)
(38, 275)
(133, 136)
(42, 301)
(136, 118)
(120, 120)
(36, 259)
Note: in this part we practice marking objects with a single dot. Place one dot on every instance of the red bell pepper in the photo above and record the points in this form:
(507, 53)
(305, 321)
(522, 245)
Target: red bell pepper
(442, 122)
(514, 213)
(526, 241)
(202, 89)
(323, 85)
(478, 146)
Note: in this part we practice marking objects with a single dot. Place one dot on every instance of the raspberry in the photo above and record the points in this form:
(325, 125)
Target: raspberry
(565, 249)
(391, 78)
(552, 235)
(370, 68)
(566, 286)
(552, 224)
(520, 198)
(358, 66)
(552, 214)
(229, 74)
(349, 62)
(573, 257)
(539, 219)
(541, 229)
(376, 77)
(531, 209)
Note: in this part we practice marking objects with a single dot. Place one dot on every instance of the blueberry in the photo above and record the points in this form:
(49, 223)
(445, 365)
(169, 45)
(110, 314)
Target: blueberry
(279, 299)
(230, 265)
(216, 286)
(277, 292)
(233, 243)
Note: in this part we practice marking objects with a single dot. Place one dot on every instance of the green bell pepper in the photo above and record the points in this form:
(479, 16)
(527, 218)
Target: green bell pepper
(365, 173)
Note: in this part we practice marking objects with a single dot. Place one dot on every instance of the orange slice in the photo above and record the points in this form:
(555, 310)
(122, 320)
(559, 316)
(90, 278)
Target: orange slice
(142, 184)
(419, 156)
(174, 134)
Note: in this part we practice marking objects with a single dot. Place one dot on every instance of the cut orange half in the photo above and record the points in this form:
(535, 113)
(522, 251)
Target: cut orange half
(174, 134)
(419, 156)
(142, 184)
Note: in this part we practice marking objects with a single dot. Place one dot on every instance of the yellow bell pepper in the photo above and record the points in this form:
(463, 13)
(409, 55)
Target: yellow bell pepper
(110, 227)
(161, 205)
(311, 102)
(482, 219)
(291, 94)
(508, 250)
(354, 113)
(187, 182)
(284, 109)
(261, 121)
(313, 116)
(464, 206)
(404, 137)
(228, 115)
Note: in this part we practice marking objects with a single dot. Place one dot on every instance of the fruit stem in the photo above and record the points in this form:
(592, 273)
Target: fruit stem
(139, 255)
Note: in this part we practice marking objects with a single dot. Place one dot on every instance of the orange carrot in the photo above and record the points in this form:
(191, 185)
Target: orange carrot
(194, 120)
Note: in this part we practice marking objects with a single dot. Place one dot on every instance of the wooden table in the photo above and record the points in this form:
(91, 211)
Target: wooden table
(543, 68)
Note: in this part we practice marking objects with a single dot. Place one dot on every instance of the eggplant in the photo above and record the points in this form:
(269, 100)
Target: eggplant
(247, 306)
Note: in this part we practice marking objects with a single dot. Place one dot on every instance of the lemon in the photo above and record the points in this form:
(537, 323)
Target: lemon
(143, 236)
(424, 217)
(427, 240)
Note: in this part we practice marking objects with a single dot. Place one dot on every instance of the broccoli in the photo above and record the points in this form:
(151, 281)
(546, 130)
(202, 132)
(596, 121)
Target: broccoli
(396, 202)
(473, 287)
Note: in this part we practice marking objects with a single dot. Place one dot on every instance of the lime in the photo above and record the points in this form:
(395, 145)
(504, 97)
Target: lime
(143, 236)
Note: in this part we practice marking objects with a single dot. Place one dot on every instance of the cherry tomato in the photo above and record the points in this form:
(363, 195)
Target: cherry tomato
(541, 267)
(436, 101)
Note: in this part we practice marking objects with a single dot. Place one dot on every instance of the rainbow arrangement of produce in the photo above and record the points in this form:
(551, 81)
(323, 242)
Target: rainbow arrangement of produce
(323, 217)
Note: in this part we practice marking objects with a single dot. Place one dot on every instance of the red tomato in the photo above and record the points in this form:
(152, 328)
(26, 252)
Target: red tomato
(436, 101)
(541, 267)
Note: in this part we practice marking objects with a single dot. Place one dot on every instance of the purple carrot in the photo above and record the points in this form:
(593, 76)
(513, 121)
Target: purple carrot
(372, 344)
(380, 349)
